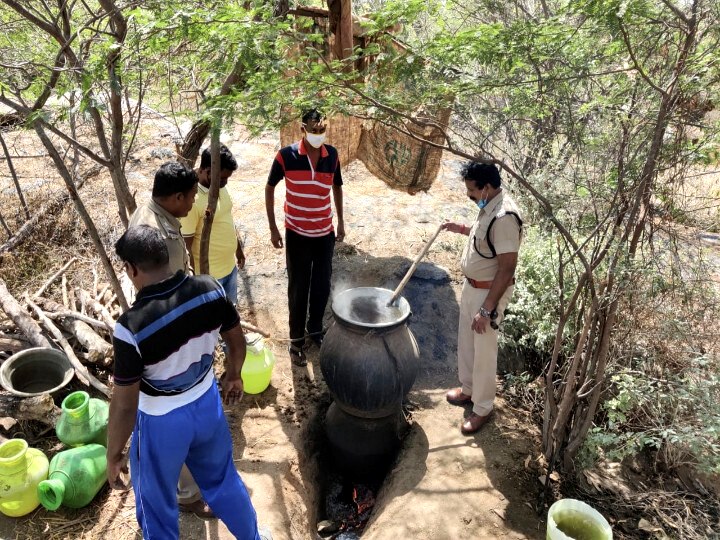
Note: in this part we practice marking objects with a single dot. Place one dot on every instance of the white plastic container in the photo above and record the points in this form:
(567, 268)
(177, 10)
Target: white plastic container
(570, 519)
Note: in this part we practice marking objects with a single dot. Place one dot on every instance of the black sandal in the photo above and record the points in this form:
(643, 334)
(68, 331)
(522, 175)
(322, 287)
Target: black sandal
(297, 356)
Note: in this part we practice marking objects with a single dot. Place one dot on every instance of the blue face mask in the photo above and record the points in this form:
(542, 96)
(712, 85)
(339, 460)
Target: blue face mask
(482, 203)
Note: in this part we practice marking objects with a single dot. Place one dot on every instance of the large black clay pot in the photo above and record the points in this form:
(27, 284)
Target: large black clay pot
(363, 448)
(369, 357)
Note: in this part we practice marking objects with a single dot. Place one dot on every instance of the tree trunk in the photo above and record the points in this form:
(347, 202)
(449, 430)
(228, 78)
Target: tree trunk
(193, 141)
(125, 200)
(84, 215)
(281, 8)
(22, 320)
(212, 199)
(341, 26)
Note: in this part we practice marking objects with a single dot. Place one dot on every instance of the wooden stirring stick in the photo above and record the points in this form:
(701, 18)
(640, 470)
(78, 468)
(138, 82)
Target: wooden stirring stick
(410, 272)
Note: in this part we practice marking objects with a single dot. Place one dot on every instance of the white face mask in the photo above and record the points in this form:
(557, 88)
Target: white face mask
(315, 139)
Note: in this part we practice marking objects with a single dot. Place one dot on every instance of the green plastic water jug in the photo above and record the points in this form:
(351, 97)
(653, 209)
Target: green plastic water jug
(21, 470)
(83, 420)
(76, 475)
(258, 366)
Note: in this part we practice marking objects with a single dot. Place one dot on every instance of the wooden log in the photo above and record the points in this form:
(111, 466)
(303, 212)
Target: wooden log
(22, 320)
(80, 317)
(52, 278)
(98, 349)
(13, 343)
(85, 358)
(65, 295)
(60, 312)
(81, 299)
(109, 300)
(72, 300)
(39, 408)
(102, 292)
(89, 301)
(81, 371)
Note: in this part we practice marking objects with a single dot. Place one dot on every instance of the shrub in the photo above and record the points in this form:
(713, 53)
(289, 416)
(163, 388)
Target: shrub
(678, 415)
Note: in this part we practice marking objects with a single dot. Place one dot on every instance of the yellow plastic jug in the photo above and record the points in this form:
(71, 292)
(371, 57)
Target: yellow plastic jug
(258, 366)
(21, 470)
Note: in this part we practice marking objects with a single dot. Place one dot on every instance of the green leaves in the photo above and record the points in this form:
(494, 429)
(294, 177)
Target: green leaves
(678, 414)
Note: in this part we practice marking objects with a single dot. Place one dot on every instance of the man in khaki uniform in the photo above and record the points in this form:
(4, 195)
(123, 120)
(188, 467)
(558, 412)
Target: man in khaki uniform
(173, 195)
(488, 262)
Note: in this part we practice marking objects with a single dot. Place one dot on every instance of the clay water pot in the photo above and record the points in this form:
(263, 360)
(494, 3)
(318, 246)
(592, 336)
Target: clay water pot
(369, 357)
(363, 448)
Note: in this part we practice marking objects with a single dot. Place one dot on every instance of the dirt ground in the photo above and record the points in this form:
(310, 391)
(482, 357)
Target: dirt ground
(444, 485)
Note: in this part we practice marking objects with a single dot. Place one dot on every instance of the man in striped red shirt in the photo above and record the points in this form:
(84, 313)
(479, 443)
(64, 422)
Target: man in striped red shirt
(311, 171)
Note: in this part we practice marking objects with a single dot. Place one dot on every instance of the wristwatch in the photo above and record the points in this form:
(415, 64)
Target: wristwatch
(486, 313)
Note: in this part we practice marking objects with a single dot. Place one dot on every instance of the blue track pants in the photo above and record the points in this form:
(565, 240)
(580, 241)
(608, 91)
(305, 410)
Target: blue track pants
(196, 434)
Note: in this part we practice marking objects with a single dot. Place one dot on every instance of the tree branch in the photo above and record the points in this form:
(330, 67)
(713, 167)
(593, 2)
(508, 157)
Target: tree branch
(677, 11)
(638, 68)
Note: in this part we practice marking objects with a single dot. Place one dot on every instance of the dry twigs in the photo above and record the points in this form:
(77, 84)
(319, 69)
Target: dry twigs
(678, 514)
(52, 278)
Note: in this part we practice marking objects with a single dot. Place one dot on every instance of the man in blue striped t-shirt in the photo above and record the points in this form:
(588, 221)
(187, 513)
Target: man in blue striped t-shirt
(165, 392)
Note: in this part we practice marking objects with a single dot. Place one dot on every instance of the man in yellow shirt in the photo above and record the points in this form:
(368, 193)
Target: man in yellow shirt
(226, 253)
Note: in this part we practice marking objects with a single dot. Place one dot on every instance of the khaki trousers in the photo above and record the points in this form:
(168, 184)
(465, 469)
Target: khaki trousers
(187, 490)
(477, 353)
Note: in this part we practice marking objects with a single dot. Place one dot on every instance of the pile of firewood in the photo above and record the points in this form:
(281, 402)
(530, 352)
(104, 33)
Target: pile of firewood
(81, 324)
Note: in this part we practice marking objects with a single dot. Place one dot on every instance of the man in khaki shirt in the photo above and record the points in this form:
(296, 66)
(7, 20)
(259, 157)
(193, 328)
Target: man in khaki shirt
(488, 263)
(173, 195)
